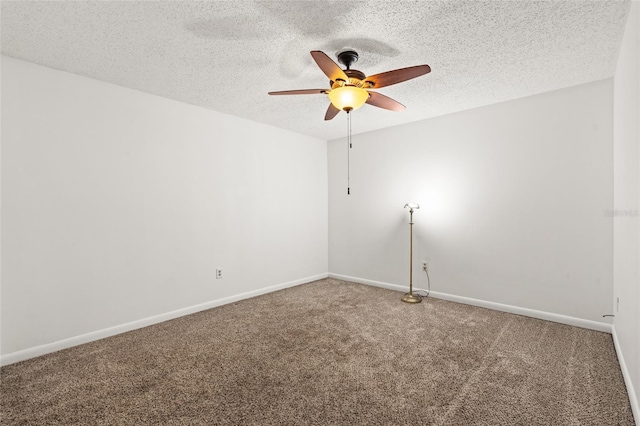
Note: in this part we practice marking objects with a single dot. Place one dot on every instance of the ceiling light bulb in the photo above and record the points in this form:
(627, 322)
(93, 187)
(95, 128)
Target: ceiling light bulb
(348, 97)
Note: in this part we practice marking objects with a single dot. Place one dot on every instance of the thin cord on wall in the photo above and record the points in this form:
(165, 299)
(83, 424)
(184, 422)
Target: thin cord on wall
(428, 290)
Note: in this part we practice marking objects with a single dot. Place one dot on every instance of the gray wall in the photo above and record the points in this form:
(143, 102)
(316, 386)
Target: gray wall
(513, 199)
(118, 206)
(626, 229)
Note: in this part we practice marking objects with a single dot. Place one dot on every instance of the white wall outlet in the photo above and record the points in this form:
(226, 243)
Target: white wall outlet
(425, 265)
(218, 273)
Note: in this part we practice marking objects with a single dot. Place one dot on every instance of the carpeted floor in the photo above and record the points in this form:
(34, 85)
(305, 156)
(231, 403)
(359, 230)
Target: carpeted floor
(328, 353)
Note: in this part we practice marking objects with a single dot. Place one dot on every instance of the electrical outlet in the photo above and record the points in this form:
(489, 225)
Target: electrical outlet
(218, 273)
(425, 265)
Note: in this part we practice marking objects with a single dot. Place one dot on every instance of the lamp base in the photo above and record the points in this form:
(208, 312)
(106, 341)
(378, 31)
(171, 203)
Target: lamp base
(411, 298)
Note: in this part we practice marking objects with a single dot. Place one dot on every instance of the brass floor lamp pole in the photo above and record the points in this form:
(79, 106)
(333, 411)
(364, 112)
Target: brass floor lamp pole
(410, 297)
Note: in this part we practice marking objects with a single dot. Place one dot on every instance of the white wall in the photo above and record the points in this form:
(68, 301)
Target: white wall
(626, 232)
(513, 199)
(118, 206)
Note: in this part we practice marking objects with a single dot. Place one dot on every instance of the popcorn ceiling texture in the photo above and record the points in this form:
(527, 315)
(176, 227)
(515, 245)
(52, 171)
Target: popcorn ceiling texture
(226, 56)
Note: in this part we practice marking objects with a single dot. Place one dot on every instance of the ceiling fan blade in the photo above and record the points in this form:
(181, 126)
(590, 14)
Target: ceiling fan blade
(332, 111)
(396, 76)
(328, 66)
(382, 101)
(300, 92)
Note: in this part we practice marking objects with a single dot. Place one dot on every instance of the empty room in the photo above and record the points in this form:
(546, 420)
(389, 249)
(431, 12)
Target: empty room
(320, 212)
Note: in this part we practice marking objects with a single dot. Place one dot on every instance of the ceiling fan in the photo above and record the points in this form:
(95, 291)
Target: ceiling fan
(350, 89)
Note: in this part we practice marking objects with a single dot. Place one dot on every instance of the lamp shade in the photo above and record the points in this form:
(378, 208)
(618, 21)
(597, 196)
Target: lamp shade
(348, 97)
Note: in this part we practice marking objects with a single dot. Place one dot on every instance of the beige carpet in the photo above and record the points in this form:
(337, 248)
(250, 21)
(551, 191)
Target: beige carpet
(328, 353)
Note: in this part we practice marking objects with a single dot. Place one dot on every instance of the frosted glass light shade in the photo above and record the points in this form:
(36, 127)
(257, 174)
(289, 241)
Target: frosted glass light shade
(348, 97)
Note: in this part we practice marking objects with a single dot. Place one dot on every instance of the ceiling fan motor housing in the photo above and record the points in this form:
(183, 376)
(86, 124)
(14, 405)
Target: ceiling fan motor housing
(355, 79)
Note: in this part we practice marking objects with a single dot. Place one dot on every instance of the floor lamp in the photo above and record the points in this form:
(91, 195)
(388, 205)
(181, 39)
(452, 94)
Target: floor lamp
(410, 297)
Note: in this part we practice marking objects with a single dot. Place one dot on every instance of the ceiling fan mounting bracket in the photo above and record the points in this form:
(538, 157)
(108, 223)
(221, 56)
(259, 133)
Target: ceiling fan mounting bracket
(348, 58)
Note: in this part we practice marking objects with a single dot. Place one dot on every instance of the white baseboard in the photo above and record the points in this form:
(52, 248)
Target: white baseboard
(562, 319)
(122, 328)
(633, 399)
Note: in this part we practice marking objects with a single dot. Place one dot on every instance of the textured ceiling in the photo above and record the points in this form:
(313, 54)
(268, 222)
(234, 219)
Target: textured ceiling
(226, 55)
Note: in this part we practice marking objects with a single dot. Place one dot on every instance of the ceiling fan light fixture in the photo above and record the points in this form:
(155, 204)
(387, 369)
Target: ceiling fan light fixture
(348, 97)
(348, 86)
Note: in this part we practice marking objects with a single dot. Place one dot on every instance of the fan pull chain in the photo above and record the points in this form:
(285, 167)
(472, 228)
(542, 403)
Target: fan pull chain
(348, 153)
